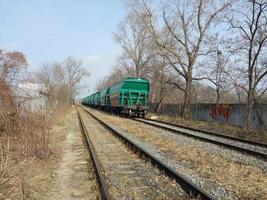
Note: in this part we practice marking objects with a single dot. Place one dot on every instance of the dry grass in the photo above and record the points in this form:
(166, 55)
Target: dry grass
(9, 114)
(32, 142)
(40, 181)
(67, 172)
(35, 130)
(253, 134)
(10, 175)
(247, 182)
(23, 135)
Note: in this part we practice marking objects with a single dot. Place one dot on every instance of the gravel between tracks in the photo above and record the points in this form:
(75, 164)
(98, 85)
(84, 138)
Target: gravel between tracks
(225, 173)
(127, 175)
(214, 126)
(213, 137)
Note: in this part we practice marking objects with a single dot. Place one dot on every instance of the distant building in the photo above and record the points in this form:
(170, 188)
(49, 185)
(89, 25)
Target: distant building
(31, 96)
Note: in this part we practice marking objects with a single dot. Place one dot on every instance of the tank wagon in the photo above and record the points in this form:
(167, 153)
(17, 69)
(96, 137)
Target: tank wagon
(128, 97)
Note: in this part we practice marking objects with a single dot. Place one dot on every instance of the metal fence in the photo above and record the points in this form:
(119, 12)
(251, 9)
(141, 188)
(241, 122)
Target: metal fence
(233, 114)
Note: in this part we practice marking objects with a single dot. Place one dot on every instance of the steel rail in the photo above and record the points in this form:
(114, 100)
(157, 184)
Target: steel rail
(100, 179)
(246, 141)
(201, 138)
(185, 183)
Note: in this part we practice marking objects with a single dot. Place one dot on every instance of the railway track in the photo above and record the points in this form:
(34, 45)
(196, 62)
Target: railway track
(245, 146)
(118, 158)
(100, 179)
(237, 139)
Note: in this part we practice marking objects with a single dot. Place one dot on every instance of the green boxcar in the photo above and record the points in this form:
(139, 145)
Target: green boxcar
(97, 99)
(104, 98)
(86, 100)
(90, 99)
(130, 96)
(83, 101)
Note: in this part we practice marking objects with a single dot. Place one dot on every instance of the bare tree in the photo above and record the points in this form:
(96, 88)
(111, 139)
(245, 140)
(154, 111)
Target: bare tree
(217, 70)
(10, 64)
(115, 75)
(73, 72)
(249, 22)
(62, 79)
(160, 89)
(182, 40)
(137, 44)
(51, 76)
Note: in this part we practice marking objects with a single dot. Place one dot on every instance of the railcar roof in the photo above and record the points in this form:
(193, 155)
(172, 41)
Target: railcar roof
(135, 79)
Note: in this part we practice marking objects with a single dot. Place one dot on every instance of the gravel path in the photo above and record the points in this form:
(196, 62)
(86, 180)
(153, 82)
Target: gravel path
(74, 179)
(127, 175)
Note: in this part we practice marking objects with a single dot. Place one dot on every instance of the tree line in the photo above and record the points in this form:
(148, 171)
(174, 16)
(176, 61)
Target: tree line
(61, 80)
(186, 46)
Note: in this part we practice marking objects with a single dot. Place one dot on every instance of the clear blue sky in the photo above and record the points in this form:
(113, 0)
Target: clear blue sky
(51, 30)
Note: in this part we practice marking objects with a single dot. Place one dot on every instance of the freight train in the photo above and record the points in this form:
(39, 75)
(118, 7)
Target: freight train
(128, 97)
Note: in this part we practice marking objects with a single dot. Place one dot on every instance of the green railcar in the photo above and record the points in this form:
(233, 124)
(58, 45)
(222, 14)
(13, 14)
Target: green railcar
(104, 98)
(91, 102)
(85, 100)
(96, 99)
(130, 96)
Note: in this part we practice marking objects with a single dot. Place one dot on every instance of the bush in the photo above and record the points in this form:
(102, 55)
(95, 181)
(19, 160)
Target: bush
(8, 111)
(35, 129)
(23, 135)
(10, 176)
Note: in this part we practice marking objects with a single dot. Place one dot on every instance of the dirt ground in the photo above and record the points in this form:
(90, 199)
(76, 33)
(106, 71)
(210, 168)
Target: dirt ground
(67, 176)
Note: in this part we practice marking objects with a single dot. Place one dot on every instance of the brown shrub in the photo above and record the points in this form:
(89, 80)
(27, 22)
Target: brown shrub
(35, 129)
(32, 129)
(8, 110)
(10, 176)
(23, 135)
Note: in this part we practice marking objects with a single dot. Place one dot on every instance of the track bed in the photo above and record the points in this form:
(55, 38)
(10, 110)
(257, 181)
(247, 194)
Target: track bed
(244, 176)
(246, 146)
(128, 176)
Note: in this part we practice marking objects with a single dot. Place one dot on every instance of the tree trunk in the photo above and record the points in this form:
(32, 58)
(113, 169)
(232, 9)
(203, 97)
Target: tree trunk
(250, 96)
(259, 114)
(218, 97)
(249, 109)
(159, 106)
(186, 112)
(161, 97)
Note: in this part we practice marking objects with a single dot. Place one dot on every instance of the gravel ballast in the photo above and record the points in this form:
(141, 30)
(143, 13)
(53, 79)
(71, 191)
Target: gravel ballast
(212, 137)
(225, 173)
(128, 176)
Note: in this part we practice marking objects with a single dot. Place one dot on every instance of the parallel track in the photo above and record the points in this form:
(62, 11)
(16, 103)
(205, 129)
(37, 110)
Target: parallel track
(237, 139)
(186, 131)
(184, 182)
(100, 178)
